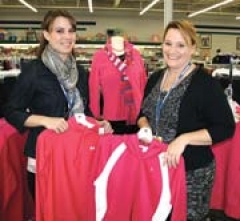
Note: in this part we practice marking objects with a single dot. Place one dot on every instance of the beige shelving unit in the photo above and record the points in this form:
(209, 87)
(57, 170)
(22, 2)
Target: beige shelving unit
(151, 52)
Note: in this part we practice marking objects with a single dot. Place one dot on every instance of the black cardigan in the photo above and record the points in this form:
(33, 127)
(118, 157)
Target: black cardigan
(38, 91)
(204, 105)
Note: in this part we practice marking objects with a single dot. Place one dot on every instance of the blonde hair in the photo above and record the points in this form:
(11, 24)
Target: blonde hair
(187, 30)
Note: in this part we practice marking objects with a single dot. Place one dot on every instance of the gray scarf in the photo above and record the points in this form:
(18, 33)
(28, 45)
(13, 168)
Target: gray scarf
(67, 75)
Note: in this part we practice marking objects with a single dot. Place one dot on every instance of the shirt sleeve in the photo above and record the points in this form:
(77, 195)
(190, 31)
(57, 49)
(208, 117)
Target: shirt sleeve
(217, 112)
(16, 109)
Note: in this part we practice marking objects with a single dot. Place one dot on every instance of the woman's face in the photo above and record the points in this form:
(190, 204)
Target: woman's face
(61, 36)
(176, 52)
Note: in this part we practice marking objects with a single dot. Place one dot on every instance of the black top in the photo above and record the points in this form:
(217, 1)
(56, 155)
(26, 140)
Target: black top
(6, 86)
(37, 91)
(204, 105)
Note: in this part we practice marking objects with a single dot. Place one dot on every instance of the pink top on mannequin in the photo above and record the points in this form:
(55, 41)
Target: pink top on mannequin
(105, 78)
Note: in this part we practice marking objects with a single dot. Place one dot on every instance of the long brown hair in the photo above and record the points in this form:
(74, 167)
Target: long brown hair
(48, 20)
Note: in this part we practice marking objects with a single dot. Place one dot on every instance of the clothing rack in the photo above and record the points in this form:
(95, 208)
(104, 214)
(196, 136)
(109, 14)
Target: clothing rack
(228, 71)
(228, 76)
(229, 90)
(233, 64)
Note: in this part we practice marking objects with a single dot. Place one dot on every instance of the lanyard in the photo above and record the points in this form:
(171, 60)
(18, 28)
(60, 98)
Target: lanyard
(70, 100)
(160, 102)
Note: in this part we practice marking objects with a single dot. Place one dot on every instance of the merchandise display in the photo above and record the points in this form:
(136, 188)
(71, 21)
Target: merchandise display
(227, 75)
(14, 52)
(226, 194)
(121, 65)
(95, 181)
(15, 201)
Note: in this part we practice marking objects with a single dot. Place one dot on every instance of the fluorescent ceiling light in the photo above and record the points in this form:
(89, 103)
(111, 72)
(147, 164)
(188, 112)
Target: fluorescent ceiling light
(210, 8)
(154, 2)
(90, 6)
(28, 5)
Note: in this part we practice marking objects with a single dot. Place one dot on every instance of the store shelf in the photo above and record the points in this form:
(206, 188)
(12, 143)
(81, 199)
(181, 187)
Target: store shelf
(18, 45)
(151, 51)
(9, 73)
(87, 42)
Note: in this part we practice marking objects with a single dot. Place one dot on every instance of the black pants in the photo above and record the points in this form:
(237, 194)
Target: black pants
(31, 183)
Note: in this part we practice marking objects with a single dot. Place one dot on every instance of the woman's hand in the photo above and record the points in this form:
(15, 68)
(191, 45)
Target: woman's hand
(175, 150)
(57, 124)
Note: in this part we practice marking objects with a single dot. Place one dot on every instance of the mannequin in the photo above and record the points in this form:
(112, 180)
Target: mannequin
(117, 43)
(118, 72)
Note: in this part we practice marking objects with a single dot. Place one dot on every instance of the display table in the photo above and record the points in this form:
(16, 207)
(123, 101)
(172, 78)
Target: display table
(226, 188)
(15, 201)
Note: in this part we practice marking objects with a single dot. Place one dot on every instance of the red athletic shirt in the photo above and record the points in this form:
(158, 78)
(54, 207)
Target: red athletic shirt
(82, 175)
(132, 183)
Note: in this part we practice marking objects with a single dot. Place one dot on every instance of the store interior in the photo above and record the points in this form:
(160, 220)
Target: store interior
(218, 32)
(20, 29)
(217, 29)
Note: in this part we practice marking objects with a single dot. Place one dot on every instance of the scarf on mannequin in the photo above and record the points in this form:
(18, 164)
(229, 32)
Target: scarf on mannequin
(126, 87)
(67, 75)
